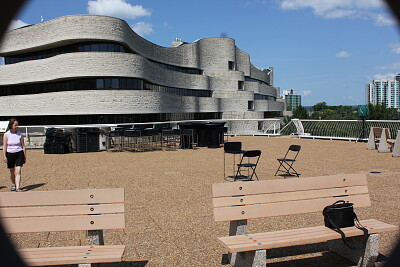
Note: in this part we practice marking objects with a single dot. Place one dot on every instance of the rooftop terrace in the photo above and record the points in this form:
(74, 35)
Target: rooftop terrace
(169, 220)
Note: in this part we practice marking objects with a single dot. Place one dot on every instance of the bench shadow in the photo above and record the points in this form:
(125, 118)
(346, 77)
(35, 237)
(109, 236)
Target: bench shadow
(1, 187)
(288, 256)
(33, 186)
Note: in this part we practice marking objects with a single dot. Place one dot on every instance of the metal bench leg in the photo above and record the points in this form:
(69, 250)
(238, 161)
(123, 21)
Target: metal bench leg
(363, 257)
(236, 228)
(256, 258)
(95, 238)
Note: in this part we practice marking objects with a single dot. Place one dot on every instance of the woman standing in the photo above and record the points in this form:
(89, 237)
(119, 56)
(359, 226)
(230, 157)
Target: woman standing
(14, 153)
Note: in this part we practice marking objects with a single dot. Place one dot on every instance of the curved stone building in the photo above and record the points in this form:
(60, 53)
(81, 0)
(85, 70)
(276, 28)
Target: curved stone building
(84, 69)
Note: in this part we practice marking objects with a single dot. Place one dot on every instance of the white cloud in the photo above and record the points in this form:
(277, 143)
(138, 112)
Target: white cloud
(143, 28)
(388, 76)
(343, 54)
(395, 48)
(382, 20)
(331, 9)
(306, 92)
(392, 66)
(15, 24)
(117, 8)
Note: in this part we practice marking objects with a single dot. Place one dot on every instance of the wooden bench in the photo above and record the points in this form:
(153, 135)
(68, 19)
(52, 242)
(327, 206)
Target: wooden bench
(378, 139)
(395, 145)
(92, 210)
(239, 201)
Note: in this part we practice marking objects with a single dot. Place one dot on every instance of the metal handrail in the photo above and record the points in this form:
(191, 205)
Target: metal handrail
(338, 129)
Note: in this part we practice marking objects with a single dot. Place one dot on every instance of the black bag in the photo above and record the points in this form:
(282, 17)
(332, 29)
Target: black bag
(341, 214)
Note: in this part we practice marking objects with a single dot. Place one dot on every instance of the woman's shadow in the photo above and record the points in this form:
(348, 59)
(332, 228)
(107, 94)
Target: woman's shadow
(31, 187)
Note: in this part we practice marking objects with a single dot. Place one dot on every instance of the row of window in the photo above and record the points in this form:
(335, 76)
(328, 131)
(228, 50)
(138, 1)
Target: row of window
(78, 47)
(177, 91)
(180, 69)
(105, 83)
(249, 79)
(113, 118)
(89, 47)
(264, 97)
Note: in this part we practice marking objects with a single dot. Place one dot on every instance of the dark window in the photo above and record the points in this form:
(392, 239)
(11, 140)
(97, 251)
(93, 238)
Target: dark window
(231, 65)
(95, 47)
(122, 83)
(250, 105)
(115, 83)
(241, 85)
(103, 47)
(129, 83)
(99, 83)
(107, 83)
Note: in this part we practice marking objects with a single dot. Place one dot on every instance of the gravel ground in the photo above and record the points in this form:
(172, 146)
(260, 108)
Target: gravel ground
(169, 204)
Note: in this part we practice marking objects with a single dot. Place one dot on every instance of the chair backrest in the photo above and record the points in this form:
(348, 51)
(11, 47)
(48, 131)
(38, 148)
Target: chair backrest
(295, 148)
(252, 153)
(62, 210)
(231, 147)
(277, 197)
(295, 151)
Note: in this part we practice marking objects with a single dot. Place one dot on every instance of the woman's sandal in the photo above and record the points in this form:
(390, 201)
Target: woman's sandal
(13, 187)
(18, 190)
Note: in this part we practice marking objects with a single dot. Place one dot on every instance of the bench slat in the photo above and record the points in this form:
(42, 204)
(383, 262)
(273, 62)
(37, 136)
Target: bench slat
(284, 208)
(64, 223)
(300, 236)
(288, 185)
(62, 210)
(73, 249)
(61, 197)
(288, 196)
(282, 234)
(72, 255)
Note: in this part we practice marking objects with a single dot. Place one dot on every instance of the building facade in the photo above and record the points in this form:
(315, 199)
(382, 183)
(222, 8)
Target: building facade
(87, 69)
(385, 91)
(293, 101)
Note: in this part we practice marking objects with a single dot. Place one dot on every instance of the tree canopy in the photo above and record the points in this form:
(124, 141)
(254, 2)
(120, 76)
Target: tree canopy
(321, 111)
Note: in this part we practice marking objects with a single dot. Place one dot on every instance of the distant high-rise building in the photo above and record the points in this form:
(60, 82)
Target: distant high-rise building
(292, 100)
(384, 91)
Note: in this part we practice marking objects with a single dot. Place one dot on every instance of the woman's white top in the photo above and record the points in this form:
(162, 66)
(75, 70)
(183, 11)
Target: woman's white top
(13, 142)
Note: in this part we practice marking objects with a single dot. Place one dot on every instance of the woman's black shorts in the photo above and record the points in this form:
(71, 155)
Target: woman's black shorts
(15, 159)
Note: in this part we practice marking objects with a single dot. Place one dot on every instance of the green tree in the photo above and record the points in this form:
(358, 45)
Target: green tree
(378, 112)
(300, 113)
(320, 106)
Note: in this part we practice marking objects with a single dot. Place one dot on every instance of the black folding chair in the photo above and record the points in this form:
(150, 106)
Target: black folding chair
(252, 157)
(287, 161)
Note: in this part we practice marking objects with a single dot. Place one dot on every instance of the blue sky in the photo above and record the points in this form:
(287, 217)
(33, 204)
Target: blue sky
(325, 50)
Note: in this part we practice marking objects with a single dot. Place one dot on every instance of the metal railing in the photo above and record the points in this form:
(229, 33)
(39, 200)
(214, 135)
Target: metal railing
(338, 129)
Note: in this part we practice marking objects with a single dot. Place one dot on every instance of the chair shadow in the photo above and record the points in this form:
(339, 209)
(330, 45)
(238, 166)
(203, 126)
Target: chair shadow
(31, 187)
(237, 178)
(288, 175)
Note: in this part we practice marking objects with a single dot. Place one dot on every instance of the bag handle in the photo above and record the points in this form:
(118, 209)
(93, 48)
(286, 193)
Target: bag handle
(345, 239)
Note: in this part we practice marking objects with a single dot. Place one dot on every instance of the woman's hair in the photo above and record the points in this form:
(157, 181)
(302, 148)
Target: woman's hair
(10, 124)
